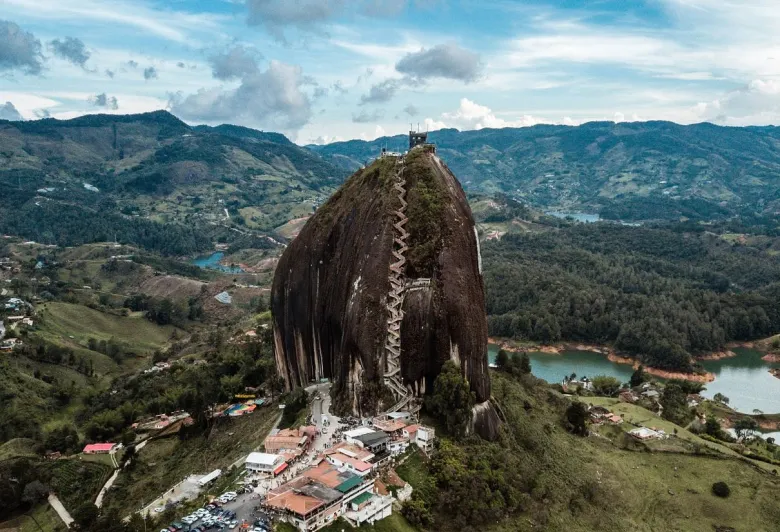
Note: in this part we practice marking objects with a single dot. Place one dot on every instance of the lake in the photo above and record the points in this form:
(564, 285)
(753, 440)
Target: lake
(211, 262)
(579, 216)
(744, 379)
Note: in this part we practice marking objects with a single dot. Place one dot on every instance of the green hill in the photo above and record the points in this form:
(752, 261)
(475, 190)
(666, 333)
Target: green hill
(638, 170)
(152, 181)
(537, 476)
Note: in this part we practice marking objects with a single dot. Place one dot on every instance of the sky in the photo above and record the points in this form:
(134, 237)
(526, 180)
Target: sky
(326, 70)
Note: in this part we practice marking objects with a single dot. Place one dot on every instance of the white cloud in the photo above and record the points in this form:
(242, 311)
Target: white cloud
(169, 24)
(26, 104)
(471, 115)
(272, 99)
(757, 103)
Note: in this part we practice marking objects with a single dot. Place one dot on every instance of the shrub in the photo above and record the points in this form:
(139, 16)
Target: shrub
(721, 489)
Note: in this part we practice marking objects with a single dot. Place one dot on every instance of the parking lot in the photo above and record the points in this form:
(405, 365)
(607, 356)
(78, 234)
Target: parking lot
(241, 510)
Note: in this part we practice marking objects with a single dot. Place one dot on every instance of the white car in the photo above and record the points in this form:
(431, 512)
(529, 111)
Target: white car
(159, 509)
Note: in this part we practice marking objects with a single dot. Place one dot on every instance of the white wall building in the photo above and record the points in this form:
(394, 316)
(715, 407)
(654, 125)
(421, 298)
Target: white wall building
(270, 464)
(350, 435)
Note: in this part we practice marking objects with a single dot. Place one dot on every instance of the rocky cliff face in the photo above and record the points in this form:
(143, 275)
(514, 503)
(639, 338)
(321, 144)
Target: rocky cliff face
(332, 297)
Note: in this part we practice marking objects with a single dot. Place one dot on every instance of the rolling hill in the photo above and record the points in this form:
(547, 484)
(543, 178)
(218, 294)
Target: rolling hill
(629, 171)
(153, 181)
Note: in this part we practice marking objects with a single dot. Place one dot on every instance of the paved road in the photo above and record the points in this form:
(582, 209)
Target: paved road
(105, 488)
(60, 509)
(320, 408)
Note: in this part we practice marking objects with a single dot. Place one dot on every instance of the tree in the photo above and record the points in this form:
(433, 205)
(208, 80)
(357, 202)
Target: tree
(63, 439)
(713, 428)
(721, 489)
(745, 427)
(34, 492)
(85, 515)
(417, 512)
(525, 364)
(502, 360)
(638, 377)
(452, 400)
(605, 385)
(674, 401)
(577, 418)
(720, 398)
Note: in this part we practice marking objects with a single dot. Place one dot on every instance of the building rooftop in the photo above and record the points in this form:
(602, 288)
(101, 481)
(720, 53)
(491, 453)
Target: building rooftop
(97, 447)
(360, 499)
(389, 425)
(293, 502)
(351, 450)
(328, 474)
(263, 458)
(372, 437)
(350, 483)
(354, 433)
(359, 465)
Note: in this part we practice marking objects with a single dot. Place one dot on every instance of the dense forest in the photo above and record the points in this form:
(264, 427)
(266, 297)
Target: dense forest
(661, 294)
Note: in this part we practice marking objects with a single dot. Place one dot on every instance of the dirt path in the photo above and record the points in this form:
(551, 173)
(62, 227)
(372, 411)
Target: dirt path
(105, 488)
(60, 509)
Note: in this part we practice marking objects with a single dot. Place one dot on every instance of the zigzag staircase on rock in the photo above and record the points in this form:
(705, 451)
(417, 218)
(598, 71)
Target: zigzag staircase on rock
(392, 376)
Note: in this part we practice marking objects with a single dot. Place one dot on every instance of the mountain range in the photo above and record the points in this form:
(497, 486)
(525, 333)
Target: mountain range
(634, 170)
(154, 181)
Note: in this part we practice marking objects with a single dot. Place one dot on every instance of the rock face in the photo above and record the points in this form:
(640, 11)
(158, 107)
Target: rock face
(332, 294)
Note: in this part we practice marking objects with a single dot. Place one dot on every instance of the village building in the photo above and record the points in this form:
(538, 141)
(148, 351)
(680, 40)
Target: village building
(9, 343)
(628, 396)
(375, 441)
(101, 448)
(319, 496)
(387, 423)
(265, 463)
(211, 477)
(421, 436)
(651, 394)
(644, 433)
(350, 435)
(349, 463)
(368, 508)
(288, 439)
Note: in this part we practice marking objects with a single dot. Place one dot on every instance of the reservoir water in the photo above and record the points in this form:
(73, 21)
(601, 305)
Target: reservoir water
(744, 379)
(211, 262)
(579, 216)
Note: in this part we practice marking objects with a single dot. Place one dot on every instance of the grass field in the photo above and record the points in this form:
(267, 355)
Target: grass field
(18, 447)
(42, 517)
(413, 470)
(66, 320)
(662, 491)
(637, 415)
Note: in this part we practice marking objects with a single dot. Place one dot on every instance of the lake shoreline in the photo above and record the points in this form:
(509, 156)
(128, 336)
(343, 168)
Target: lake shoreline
(611, 355)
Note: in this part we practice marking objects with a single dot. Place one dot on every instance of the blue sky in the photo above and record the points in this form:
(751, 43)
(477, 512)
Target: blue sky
(328, 70)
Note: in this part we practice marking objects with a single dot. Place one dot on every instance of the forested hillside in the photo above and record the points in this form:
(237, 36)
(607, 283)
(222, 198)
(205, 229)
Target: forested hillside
(152, 181)
(639, 170)
(657, 293)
